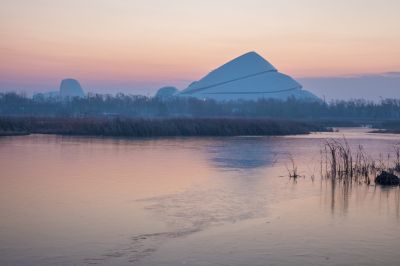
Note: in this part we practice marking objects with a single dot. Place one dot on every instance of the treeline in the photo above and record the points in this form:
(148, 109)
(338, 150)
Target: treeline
(134, 127)
(120, 105)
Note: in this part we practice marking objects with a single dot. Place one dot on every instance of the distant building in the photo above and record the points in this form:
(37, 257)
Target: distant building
(166, 92)
(247, 77)
(69, 88)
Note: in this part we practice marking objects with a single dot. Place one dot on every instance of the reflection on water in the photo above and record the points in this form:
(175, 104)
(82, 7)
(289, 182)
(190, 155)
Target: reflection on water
(343, 225)
(72, 200)
(242, 153)
(343, 197)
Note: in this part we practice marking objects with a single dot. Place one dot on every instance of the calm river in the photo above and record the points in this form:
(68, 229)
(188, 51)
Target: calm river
(190, 201)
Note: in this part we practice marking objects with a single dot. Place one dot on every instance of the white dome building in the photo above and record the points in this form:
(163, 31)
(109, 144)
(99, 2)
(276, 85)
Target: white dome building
(247, 77)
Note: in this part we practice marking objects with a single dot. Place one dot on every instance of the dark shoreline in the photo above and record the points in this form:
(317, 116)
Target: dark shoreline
(169, 127)
(386, 131)
(12, 133)
(387, 127)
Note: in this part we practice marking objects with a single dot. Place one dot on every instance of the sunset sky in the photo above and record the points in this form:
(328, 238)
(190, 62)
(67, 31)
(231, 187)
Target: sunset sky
(139, 45)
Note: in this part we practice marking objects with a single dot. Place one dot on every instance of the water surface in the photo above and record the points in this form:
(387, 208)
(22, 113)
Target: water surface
(193, 201)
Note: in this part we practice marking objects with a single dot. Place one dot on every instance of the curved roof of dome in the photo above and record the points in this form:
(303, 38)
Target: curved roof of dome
(249, 73)
(246, 77)
(71, 88)
(243, 67)
(270, 82)
(167, 91)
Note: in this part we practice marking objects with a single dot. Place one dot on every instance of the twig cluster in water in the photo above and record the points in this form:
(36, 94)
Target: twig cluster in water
(292, 170)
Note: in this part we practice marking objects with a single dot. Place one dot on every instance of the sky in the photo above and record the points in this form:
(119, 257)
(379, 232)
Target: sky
(137, 46)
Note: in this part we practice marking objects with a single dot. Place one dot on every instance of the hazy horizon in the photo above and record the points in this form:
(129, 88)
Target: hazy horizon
(139, 46)
(327, 87)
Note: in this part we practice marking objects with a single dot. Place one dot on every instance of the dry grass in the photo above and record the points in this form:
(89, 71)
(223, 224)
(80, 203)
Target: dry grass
(134, 127)
(292, 169)
(340, 162)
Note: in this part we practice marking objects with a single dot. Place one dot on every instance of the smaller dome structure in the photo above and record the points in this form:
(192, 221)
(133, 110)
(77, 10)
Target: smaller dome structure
(70, 88)
(166, 92)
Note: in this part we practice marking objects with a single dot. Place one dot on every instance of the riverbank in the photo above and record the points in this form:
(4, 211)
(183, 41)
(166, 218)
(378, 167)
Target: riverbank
(154, 127)
(13, 133)
(392, 127)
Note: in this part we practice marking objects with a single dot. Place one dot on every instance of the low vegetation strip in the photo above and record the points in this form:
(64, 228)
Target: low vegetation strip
(153, 127)
(388, 127)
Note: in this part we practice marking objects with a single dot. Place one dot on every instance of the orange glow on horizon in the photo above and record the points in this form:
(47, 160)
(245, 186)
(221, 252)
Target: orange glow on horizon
(159, 42)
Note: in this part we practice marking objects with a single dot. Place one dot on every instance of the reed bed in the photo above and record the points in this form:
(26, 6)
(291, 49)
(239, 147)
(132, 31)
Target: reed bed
(340, 162)
(134, 127)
